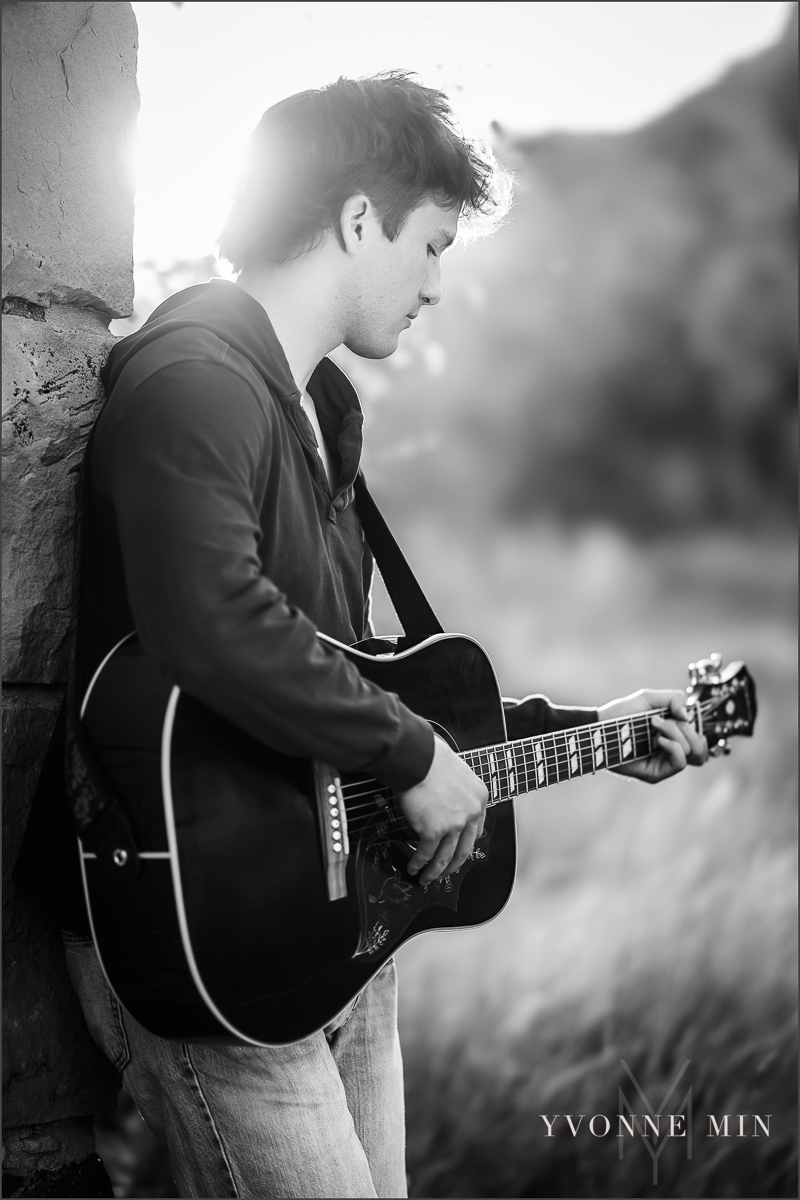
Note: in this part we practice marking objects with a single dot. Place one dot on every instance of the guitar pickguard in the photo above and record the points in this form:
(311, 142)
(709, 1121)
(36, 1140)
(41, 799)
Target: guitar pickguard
(388, 897)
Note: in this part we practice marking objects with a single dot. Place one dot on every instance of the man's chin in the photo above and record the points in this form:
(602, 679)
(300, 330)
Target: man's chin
(369, 348)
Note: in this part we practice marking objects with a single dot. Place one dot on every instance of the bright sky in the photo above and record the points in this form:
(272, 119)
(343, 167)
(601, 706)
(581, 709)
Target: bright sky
(208, 70)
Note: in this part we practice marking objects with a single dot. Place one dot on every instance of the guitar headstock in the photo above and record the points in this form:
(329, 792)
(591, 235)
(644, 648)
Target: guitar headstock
(726, 698)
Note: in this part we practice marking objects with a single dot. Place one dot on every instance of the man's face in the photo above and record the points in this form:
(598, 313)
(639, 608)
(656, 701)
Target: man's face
(393, 280)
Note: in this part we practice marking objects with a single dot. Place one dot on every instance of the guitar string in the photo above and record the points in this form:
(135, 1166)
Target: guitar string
(358, 824)
(361, 819)
(639, 724)
(638, 721)
(554, 765)
(370, 811)
(366, 814)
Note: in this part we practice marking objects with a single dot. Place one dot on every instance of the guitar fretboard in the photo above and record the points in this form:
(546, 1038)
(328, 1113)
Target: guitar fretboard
(514, 768)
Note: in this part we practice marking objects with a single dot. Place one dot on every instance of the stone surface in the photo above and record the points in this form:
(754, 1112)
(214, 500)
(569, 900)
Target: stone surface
(47, 1147)
(51, 394)
(86, 1178)
(28, 719)
(52, 1069)
(69, 107)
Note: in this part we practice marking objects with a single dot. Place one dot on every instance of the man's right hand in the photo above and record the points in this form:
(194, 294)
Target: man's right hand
(446, 811)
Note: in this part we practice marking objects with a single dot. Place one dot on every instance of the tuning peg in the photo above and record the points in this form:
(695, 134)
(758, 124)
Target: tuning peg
(721, 747)
(707, 670)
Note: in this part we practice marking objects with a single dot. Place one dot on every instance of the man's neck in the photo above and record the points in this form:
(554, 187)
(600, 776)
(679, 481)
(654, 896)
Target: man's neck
(300, 299)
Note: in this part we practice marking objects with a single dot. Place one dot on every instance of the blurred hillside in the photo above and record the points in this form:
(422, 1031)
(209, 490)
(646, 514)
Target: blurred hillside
(625, 349)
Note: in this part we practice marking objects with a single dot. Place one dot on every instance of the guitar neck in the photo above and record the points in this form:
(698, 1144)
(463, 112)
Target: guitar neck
(513, 768)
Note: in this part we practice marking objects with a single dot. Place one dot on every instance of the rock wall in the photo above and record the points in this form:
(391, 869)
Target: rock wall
(69, 107)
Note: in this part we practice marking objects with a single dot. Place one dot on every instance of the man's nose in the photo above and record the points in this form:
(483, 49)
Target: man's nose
(431, 290)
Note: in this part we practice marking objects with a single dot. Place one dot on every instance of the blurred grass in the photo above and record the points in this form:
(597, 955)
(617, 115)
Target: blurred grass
(650, 925)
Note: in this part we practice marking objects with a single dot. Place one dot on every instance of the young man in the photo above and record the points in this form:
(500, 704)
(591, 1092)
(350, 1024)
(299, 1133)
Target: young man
(223, 530)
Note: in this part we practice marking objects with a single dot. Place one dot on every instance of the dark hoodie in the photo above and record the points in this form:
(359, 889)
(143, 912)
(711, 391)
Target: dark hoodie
(214, 533)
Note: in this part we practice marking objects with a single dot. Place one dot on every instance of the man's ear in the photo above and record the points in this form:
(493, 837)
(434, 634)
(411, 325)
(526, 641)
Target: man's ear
(356, 223)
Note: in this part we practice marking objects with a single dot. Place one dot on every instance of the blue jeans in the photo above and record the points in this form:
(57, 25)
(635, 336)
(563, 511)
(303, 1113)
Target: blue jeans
(324, 1117)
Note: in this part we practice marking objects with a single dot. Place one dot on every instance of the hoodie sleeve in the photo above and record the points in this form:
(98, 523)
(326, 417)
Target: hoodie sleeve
(182, 471)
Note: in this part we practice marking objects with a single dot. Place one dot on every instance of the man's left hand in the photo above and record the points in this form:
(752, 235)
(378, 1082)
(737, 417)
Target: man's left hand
(679, 741)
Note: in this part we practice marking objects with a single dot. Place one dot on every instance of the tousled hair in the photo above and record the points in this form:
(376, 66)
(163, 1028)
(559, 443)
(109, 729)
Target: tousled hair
(385, 136)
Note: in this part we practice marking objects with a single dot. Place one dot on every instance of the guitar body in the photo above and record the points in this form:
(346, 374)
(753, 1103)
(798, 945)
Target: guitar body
(222, 929)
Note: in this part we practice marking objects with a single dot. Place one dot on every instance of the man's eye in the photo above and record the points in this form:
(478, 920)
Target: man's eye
(432, 250)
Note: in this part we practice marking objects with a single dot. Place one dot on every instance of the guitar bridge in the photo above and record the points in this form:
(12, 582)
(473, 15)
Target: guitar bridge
(332, 820)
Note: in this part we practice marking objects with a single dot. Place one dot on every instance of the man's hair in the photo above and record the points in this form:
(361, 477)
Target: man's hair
(384, 136)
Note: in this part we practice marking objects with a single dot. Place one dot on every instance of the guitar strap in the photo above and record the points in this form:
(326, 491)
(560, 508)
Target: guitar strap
(418, 619)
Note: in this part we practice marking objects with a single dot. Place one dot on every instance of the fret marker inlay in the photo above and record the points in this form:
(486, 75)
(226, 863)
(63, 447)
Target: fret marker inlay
(627, 743)
(573, 754)
(510, 767)
(539, 763)
(598, 748)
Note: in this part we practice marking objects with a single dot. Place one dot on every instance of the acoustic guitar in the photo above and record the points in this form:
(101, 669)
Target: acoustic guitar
(237, 894)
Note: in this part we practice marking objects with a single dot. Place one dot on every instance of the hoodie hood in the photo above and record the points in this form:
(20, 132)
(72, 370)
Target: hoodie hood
(224, 310)
(233, 316)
